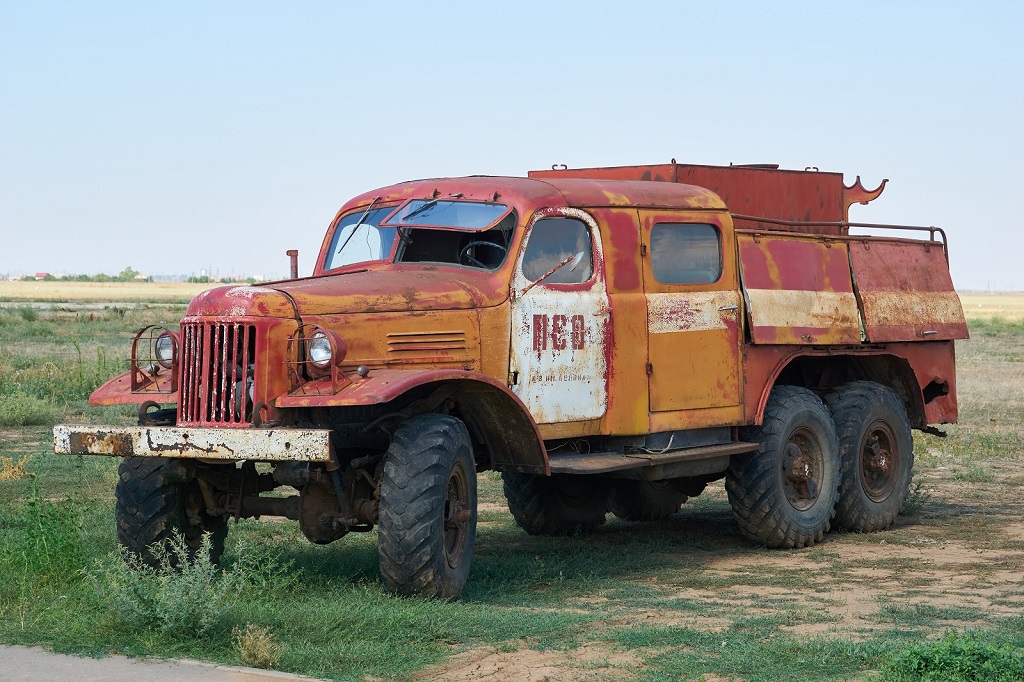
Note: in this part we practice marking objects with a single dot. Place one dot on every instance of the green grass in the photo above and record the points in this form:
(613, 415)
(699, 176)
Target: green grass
(995, 326)
(972, 657)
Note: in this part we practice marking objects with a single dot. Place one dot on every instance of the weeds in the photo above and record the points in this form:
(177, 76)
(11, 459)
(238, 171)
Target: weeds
(916, 500)
(183, 596)
(19, 409)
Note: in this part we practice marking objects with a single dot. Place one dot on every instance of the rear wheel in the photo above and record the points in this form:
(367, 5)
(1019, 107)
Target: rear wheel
(556, 505)
(157, 497)
(645, 500)
(784, 495)
(877, 454)
(427, 517)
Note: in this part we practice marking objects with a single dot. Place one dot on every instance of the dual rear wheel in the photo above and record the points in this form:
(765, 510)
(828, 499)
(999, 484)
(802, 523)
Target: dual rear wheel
(848, 459)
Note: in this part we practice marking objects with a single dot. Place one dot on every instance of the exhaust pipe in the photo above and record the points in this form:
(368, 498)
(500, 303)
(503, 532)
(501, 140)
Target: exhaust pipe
(293, 254)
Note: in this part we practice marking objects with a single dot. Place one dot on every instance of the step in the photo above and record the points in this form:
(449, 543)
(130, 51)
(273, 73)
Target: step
(607, 462)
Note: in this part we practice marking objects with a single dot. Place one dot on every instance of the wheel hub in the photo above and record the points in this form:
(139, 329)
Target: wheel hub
(802, 470)
(879, 462)
(457, 515)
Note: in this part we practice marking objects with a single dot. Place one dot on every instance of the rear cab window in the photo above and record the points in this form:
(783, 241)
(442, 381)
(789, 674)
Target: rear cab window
(686, 253)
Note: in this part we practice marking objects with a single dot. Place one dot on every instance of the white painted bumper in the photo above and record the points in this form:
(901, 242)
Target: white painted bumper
(265, 445)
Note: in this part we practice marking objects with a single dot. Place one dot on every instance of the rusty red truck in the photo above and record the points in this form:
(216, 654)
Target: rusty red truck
(611, 340)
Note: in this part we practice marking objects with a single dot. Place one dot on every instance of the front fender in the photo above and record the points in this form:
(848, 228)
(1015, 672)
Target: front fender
(118, 391)
(494, 414)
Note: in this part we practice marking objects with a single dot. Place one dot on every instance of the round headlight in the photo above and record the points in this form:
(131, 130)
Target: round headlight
(164, 350)
(318, 348)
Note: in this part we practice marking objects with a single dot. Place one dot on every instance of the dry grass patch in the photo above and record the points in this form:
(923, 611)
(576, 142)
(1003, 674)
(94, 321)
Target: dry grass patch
(11, 471)
(257, 646)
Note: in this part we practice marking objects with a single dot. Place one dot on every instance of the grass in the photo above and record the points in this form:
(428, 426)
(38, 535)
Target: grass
(678, 599)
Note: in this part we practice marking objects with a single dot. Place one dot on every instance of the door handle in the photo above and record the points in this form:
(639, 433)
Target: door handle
(724, 308)
(603, 311)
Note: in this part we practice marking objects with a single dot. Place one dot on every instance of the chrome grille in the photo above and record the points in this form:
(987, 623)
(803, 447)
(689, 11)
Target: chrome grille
(217, 373)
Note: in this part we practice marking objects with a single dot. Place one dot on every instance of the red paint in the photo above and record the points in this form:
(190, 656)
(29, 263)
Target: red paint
(768, 192)
(904, 273)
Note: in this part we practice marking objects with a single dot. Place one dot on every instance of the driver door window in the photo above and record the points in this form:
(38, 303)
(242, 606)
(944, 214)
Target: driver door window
(553, 241)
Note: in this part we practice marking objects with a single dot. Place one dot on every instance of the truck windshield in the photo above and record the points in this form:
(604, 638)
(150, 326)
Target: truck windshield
(477, 242)
(447, 214)
(358, 241)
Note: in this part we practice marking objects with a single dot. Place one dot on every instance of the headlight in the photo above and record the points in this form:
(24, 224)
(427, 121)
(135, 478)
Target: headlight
(318, 348)
(164, 350)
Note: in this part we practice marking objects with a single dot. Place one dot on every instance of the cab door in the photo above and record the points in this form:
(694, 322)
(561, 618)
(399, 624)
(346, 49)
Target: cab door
(693, 314)
(560, 320)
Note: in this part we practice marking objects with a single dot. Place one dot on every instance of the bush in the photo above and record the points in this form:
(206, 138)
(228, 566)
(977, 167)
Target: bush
(28, 313)
(184, 596)
(957, 658)
(19, 409)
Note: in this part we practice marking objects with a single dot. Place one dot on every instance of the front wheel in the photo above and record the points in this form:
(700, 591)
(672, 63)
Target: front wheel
(877, 454)
(427, 518)
(158, 497)
(784, 495)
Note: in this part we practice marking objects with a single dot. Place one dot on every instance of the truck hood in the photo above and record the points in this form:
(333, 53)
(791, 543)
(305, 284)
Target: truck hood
(370, 291)
(242, 301)
(394, 289)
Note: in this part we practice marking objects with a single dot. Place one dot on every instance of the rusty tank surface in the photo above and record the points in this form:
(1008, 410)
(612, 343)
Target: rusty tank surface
(612, 340)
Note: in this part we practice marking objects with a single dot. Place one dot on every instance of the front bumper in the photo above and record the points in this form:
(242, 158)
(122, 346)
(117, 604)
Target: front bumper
(263, 445)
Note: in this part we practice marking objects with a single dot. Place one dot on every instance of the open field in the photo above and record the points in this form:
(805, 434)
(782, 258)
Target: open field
(100, 292)
(673, 600)
(1006, 306)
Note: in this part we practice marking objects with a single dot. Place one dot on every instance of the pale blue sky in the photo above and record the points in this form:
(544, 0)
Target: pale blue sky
(177, 136)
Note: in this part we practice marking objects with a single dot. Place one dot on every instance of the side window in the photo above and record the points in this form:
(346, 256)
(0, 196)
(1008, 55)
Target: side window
(686, 253)
(553, 240)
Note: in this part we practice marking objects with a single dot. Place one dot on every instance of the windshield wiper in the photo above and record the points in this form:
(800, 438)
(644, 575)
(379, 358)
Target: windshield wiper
(358, 223)
(421, 209)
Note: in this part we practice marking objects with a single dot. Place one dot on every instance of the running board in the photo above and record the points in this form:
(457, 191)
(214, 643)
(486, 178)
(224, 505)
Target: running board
(608, 462)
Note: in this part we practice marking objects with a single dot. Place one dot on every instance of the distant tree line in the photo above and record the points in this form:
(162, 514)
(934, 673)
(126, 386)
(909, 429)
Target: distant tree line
(130, 274)
(127, 275)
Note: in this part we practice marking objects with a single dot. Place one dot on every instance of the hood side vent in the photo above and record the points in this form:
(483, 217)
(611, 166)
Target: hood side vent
(418, 342)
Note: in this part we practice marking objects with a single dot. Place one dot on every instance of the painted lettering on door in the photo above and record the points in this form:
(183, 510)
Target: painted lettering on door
(558, 332)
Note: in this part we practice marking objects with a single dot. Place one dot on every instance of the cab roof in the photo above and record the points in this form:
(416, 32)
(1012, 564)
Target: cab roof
(529, 194)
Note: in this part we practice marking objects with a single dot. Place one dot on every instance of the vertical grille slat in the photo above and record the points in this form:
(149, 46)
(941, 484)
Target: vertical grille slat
(223, 339)
(232, 375)
(197, 372)
(184, 395)
(217, 374)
